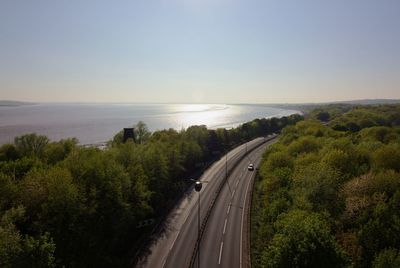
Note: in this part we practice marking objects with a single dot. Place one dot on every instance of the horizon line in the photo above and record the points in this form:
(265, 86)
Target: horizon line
(205, 103)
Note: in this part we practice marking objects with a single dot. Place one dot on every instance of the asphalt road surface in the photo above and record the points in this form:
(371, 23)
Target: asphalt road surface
(224, 234)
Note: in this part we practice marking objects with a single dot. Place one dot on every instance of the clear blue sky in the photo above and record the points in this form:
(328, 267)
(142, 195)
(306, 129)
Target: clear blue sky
(211, 51)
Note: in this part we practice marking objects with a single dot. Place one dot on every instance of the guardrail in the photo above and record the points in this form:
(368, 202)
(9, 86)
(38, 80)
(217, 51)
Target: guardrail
(213, 201)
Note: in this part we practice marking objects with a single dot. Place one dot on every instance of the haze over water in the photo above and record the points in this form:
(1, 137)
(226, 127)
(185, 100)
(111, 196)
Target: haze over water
(97, 123)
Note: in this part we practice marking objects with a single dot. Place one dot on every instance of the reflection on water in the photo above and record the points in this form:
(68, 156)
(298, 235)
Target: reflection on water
(193, 107)
(93, 123)
(203, 114)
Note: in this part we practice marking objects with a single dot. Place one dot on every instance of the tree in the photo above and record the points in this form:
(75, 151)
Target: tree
(8, 192)
(57, 151)
(53, 204)
(323, 116)
(10, 238)
(303, 240)
(340, 161)
(8, 152)
(387, 258)
(17, 250)
(304, 144)
(214, 146)
(387, 157)
(141, 132)
(65, 204)
(31, 144)
(324, 194)
(279, 160)
(318, 186)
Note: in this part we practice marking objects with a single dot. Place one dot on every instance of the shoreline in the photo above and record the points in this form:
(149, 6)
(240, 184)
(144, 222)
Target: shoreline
(94, 127)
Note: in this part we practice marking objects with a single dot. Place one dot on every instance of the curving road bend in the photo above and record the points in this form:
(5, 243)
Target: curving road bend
(224, 233)
(224, 237)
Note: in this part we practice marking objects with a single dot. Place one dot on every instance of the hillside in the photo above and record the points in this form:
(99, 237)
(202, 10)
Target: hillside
(328, 195)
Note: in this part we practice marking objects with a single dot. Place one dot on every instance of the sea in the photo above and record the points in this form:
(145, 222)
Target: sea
(95, 124)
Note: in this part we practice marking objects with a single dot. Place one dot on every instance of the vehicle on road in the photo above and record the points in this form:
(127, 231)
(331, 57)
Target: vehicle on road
(250, 167)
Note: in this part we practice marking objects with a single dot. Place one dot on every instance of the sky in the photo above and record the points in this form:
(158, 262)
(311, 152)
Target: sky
(199, 51)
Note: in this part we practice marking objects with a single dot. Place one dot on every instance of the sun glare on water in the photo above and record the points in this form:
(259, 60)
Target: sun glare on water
(202, 114)
(195, 107)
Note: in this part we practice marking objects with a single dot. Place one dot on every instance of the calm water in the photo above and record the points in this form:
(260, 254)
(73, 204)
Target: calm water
(97, 123)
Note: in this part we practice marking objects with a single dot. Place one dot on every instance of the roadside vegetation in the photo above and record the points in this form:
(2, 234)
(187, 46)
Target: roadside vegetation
(64, 205)
(328, 194)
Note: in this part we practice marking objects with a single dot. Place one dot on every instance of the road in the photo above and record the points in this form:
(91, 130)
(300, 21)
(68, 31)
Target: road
(223, 240)
(223, 235)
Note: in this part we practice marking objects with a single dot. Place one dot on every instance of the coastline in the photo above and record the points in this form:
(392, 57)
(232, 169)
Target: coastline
(94, 125)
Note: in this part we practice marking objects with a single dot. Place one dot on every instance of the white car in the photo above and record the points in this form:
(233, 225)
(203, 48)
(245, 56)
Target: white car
(250, 167)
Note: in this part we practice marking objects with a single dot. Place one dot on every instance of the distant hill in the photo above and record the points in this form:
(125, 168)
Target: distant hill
(306, 107)
(14, 103)
(371, 101)
(359, 102)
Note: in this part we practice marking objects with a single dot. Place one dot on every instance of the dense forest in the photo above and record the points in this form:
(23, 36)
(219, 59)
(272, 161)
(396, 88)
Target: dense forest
(328, 193)
(66, 205)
